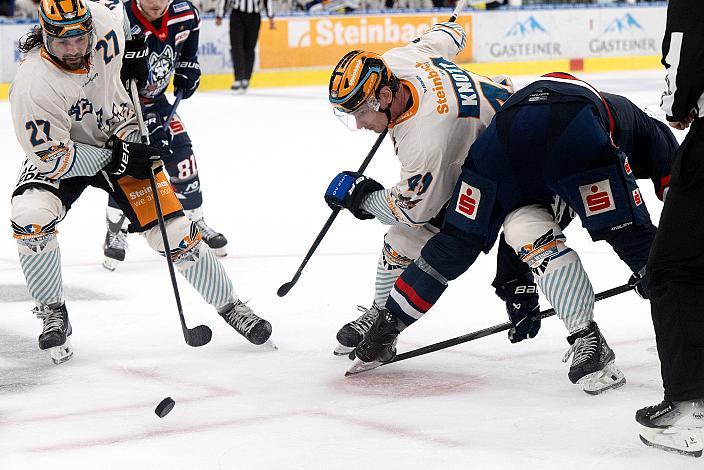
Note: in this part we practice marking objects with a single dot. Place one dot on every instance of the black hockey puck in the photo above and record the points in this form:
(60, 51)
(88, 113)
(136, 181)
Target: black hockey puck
(163, 408)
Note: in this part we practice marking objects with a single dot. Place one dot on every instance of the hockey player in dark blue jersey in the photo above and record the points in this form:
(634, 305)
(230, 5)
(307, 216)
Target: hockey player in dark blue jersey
(558, 136)
(172, 30)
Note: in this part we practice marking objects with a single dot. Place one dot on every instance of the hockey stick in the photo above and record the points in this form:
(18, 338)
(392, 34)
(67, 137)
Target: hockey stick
(285, 287)
(486, 331)
(201, 334)
(179, 95)
(283, 290)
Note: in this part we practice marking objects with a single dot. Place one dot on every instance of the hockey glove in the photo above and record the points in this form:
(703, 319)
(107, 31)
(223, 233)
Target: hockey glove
(347, 191)
(134, 62)
(186, 77)
(131, 159)
(521, 297)
(639, 282)
(158, 137)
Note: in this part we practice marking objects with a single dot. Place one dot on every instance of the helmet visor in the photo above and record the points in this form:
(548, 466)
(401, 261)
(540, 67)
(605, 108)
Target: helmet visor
(355, 120)
(71, 50)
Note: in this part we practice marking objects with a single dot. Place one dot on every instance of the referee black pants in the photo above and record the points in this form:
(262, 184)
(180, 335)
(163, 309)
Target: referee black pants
(244, 32)
(676, 274)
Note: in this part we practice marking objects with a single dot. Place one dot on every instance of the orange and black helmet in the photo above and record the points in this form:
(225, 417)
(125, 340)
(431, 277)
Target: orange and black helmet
(65, 18)
(358, 76)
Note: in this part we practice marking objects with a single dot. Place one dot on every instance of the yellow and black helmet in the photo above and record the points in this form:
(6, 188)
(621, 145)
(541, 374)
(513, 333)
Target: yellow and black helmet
(358, 76)
(65, 18)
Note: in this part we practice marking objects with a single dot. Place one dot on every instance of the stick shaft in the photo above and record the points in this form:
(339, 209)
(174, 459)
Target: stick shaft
(495, 329)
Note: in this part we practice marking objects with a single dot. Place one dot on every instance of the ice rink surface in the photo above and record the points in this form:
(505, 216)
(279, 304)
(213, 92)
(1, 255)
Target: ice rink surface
(265, 159)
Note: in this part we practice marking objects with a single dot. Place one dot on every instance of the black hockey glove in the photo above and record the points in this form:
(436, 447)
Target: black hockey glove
(186, 77)
(131, 159)
(347, 191)
(134, 62)
(639, 282)
(158, 137)
(521, 297)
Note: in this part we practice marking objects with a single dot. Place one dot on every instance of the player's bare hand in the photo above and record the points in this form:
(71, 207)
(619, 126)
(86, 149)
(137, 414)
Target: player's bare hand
(218, 21)
(684, 123)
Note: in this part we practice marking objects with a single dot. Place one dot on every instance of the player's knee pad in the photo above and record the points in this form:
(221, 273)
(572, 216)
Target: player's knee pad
(402, 244)
(446, 257)
(535, 236)
(184, 241)
(35, 213)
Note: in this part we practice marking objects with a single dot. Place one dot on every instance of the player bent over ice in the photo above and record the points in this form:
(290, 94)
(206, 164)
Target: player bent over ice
(74, 120)
(172, 31)
(556, 136)
(433, 110)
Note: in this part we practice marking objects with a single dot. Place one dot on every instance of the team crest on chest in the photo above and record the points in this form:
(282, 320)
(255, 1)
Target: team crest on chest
(160, 65)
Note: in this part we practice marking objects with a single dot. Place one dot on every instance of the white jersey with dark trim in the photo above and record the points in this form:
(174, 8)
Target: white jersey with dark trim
(54, 109)
(450, 108)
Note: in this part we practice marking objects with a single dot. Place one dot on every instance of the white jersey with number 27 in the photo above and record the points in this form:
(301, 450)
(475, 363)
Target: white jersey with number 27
(54, 109)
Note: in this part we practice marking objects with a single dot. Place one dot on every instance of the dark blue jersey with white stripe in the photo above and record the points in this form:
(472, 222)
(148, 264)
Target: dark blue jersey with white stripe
(172, 38)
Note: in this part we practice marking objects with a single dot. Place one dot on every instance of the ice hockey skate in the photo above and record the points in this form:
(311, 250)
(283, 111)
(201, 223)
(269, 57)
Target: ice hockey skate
(674, 426)
(378, 345)
(241, 317)
(215, 240)
(55, 332)
(592, 364)
(115, 245)
(352, 333)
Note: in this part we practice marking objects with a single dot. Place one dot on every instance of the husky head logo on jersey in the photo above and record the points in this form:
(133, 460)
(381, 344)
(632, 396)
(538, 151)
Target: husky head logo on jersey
(161, 67)
(67, 32)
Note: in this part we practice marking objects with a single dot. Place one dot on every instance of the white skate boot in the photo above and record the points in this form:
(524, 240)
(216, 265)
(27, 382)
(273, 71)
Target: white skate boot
(674, 426)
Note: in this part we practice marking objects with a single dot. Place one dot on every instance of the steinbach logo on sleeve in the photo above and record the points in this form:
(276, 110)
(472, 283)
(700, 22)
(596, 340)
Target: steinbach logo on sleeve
(468, 202)
(597, 197)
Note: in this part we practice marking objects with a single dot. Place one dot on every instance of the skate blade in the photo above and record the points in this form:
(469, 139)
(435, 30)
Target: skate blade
(679, 441)
(61, 354)
(359, 366)
(219, 252)
(341, 350)
(606, 379)
(110, 263)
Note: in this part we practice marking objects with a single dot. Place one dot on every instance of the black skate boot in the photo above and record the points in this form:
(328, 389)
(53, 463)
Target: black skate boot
(215, 240)
(378, 345)
(240, 317)
(55, 332)
(115, 244)
(674, 426)
(352, 333)
(592, 365)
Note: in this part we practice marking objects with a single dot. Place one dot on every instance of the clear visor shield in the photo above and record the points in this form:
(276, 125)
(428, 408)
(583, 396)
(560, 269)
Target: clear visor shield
(356, 119)
(71, 51)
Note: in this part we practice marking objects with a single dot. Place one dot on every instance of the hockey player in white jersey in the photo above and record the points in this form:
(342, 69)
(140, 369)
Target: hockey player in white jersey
(434, 110)
(75, 122)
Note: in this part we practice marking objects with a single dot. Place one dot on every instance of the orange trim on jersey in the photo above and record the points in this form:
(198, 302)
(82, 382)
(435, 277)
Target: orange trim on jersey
(409, 113)
(45, 55)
